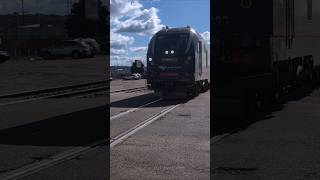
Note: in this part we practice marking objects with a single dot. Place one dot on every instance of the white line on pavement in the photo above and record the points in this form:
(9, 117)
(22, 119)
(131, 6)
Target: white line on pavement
(133, 109)
(121, 137)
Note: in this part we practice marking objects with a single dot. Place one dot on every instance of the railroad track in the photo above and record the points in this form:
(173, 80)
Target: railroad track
(129, 132)
(217, 138)
(70, 154)
(62, 91)
(128, 90)
(116, 139)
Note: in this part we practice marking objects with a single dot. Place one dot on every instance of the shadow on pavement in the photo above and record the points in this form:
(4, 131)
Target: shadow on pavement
(74, 129)
(220, 125)
(137, 101)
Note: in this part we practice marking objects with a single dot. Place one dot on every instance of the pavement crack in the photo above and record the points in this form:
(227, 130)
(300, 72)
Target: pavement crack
(235, 171)
(184, 115)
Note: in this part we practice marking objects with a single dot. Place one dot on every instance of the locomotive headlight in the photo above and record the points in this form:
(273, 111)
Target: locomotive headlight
(150, 60)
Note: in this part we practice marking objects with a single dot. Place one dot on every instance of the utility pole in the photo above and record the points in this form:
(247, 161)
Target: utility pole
(69, 7)
(21, 30)
(22, 11)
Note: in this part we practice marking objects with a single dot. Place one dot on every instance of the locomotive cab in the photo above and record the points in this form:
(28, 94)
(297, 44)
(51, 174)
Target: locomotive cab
(174, 61)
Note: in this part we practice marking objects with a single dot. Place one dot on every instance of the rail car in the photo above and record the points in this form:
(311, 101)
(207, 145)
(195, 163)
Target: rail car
(262, 50)
(178, 62)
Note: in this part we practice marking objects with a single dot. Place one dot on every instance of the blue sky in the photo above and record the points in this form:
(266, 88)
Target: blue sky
(134, 22)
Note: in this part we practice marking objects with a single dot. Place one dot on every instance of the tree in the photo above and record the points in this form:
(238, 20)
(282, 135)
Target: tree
(78, 25)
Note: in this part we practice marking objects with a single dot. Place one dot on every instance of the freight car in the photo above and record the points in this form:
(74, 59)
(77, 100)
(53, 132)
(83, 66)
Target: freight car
(178, 62)
(262, 49)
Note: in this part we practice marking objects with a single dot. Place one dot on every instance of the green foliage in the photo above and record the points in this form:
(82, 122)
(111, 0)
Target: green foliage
(77, 25)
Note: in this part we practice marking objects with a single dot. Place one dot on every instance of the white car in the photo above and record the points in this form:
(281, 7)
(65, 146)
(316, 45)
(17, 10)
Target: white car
(68, 48)
(137, 75)
(95, 47)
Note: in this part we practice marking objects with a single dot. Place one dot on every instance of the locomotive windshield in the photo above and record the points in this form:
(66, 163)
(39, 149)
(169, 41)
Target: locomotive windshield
(169, 47)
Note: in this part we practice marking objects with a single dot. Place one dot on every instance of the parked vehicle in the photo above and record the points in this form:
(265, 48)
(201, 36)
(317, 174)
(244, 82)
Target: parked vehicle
(137, 67)
(135, 76)
(94, 45)
(178, 61)
(138, 75)
(4, 55)
(110, 77)
(68, 48)
(262, 49)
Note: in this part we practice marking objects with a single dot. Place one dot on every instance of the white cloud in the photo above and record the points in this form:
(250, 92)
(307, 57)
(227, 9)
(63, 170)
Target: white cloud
(120, 60)
(206, 36)
(146, 22)
(119, 57)
(129, 16)
(138, 49)
(142, 58)
(123, 60)
(119, 41)
(114, 23)
(114, 51)
(120, 8)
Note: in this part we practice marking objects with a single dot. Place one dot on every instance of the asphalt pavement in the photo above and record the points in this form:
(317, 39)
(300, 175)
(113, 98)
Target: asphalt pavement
(44, 128)
(35, 131)
(283, 143)
(18, 76)
(173, 146)
(176, 146)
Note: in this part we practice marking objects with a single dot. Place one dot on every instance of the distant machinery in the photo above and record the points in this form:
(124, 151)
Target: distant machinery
(137, 67)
